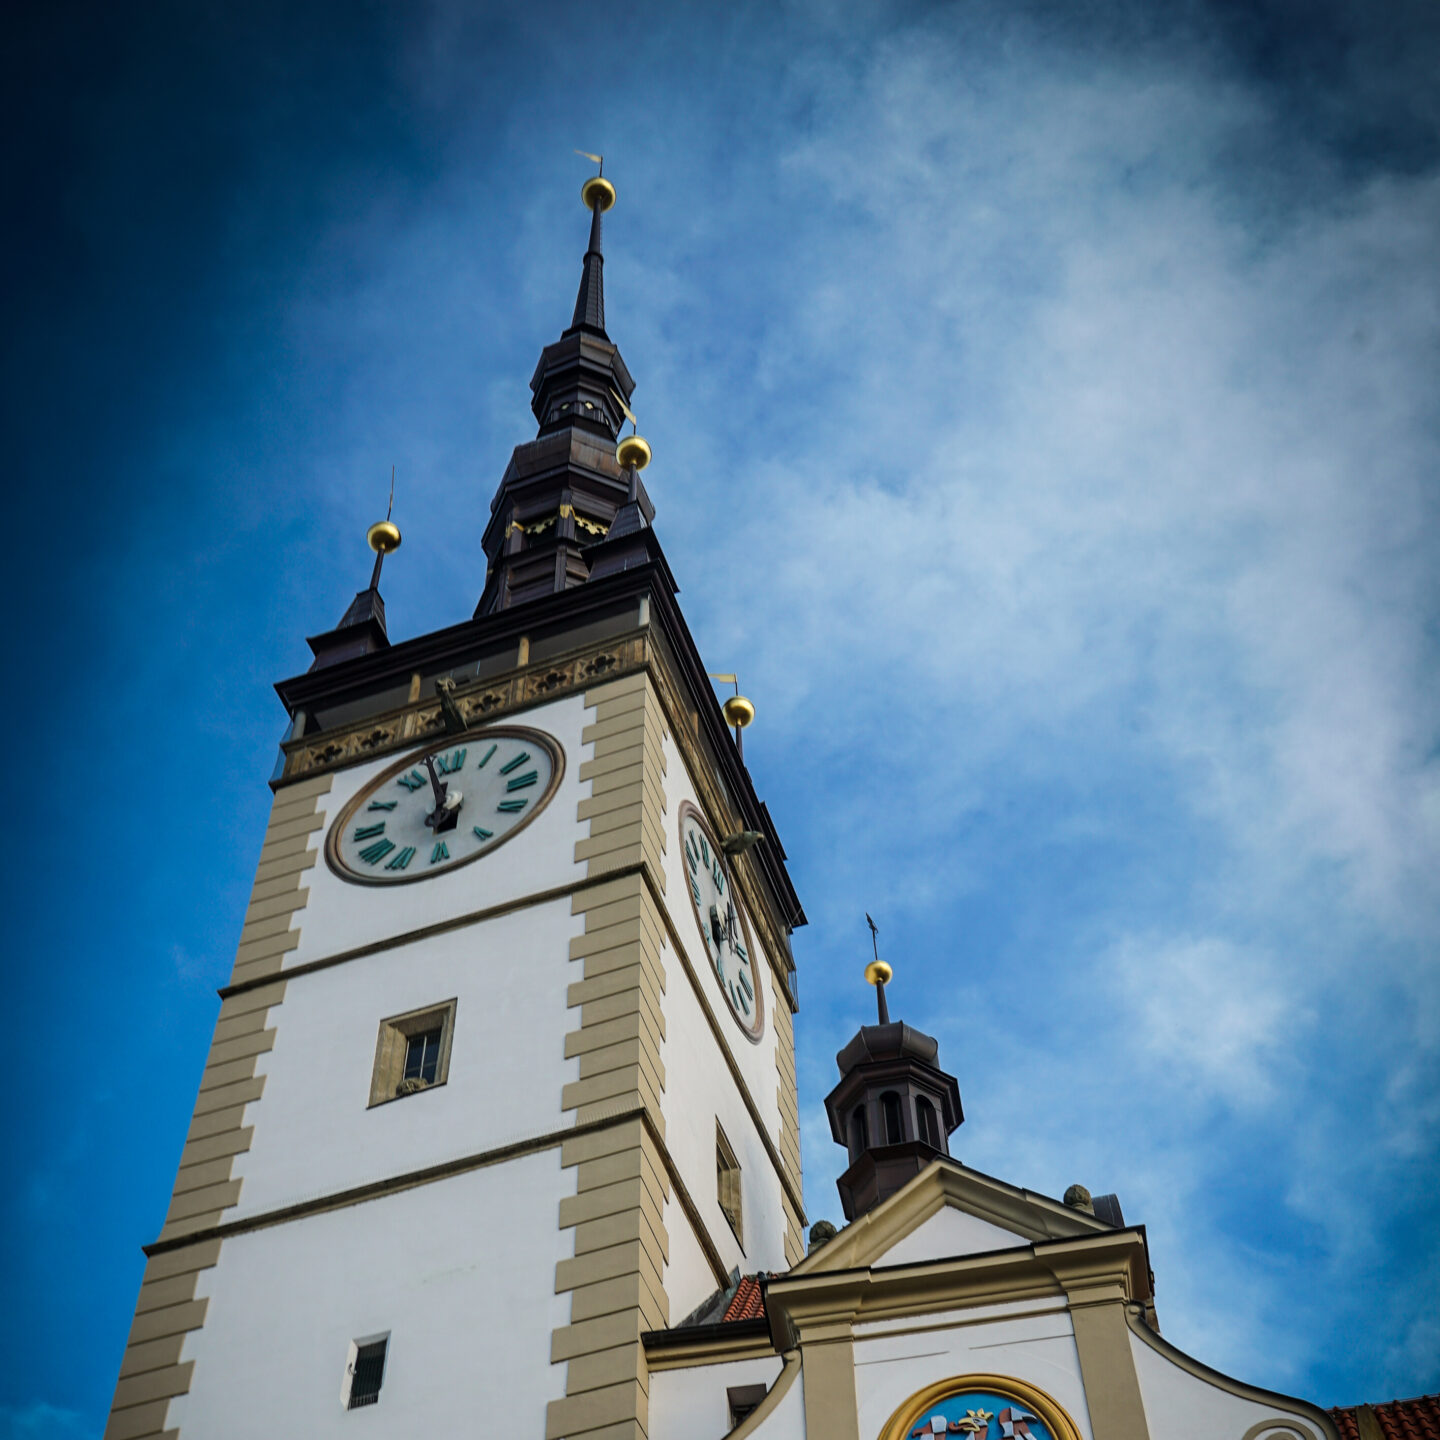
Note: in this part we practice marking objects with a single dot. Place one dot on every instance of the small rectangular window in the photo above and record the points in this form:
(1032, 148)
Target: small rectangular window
(412, 1052)
(366, 1372)
(422, 1055)
(727, 1183)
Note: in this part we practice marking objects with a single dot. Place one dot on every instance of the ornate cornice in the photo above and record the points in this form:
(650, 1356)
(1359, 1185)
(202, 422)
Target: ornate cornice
(477, 702)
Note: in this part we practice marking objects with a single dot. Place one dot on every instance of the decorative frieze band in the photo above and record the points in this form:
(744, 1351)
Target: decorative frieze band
(476, 702)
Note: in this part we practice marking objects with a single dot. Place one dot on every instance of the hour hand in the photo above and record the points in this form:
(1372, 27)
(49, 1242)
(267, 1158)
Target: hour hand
(447, 806)
(717, 930)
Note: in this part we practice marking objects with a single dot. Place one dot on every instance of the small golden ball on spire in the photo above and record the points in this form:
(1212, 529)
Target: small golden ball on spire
(738, 711)
(383, 536)
(633, 450)
(597, 193)
(877, 972)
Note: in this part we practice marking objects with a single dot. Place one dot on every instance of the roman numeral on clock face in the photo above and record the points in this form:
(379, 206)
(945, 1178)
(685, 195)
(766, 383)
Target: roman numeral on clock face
(487, 787)
(721, 922)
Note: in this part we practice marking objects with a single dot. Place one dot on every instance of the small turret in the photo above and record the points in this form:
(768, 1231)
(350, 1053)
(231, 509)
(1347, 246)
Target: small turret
(362, 627)
(894, 1108)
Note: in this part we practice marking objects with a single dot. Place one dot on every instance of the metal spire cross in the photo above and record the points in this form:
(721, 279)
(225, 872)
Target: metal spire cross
(878, 972)
(375, 531)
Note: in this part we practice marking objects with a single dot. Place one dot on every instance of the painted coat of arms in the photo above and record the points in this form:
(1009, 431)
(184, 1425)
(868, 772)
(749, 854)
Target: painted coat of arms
(974, 1415)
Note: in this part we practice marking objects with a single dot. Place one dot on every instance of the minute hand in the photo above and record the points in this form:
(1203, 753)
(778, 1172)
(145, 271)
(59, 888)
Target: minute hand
(436, 784)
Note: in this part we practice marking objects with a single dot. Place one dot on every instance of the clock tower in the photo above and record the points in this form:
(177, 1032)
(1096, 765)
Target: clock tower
(503, 1078)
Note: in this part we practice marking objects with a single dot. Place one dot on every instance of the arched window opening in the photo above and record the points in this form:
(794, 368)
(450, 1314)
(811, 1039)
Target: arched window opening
(894, 1121)
(859, 1133)
(928, 1123)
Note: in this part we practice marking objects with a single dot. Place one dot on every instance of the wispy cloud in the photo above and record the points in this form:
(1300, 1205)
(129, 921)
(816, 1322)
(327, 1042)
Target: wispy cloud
(1044, 409)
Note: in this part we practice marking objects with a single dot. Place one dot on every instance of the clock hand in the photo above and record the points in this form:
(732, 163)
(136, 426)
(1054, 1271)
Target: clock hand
(447, 806)
(717, 932)
(436, 784)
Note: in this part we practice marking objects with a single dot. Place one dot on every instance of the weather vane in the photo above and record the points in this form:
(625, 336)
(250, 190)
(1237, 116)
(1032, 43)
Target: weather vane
(384, 535)
(877, 972)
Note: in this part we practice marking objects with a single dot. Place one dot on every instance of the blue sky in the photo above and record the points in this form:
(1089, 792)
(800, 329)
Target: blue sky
(1044, 410)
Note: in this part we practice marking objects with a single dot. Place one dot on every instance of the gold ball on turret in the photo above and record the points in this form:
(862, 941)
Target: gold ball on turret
(738, 711)
(877, 972)
(597, 193)
(383, 536)
(633, 450)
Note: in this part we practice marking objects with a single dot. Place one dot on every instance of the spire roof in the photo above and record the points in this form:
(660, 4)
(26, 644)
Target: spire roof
(567, 494)
(362, 627)
(590, 300)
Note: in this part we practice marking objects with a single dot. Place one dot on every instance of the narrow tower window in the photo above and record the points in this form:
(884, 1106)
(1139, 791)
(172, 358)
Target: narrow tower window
(859, 1133)
(929, 1124)
(894, 1120)
(365, 1372)
(412, 1052)
(727, 1182)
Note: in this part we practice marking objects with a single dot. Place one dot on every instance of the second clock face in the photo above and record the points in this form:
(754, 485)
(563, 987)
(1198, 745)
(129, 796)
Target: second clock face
(445, 806)
(722, 923)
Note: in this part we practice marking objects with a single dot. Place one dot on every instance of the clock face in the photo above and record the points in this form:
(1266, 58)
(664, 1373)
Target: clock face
(445, 806)
(723, 926)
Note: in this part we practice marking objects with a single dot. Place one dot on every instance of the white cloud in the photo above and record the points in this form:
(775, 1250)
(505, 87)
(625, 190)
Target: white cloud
(1062, 486)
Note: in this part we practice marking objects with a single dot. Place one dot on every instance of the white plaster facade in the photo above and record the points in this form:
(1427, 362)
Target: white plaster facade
(699, 1088)
(315, 1132)
(1184, 1406)
(447, 1271)
(1031, 1340)
(693, 1401)
(950, 1232)
(341, 916)
(757, 1062)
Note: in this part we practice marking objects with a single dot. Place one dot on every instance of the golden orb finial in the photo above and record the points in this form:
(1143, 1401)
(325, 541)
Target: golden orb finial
(383, 537)
(633, 450)
(877, 972)
(738, 712)
(597, 193)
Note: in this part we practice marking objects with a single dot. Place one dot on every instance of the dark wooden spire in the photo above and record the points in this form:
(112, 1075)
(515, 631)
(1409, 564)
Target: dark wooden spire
(563, 491)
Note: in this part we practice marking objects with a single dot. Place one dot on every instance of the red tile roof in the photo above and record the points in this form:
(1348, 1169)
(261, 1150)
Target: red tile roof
(1417, 1419)
(748, 1302)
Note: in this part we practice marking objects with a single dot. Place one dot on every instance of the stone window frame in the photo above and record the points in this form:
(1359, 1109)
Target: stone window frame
(727, 1185)
(392, 1042)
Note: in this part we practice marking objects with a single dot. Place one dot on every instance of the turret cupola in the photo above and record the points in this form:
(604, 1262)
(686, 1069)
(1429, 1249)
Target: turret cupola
(562, 491)
(894, 1108)
(362, 627)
